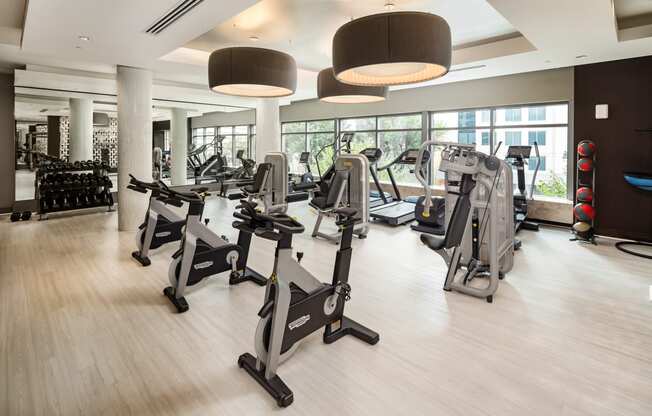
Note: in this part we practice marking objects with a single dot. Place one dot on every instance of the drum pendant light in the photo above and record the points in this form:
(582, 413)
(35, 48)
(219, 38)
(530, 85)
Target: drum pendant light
(392, 49)
(329, 89)
(252, 72)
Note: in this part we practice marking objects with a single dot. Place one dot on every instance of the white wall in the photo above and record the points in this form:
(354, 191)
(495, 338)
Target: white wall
(532, 87)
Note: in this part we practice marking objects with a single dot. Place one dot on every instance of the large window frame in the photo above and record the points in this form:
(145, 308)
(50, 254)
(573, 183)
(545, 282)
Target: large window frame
(307, 135)
(525, 123)
(377, 131)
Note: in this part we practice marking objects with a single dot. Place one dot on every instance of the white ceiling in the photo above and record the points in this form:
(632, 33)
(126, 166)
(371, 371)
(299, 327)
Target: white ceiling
(629, 8)
(493, 37)
(305, 28)
(12, 13)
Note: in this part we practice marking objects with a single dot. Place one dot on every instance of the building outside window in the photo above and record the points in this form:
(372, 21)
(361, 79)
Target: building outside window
(532, 164)
(513, 114)
(512, 138)
(536, 113)
(536, 136)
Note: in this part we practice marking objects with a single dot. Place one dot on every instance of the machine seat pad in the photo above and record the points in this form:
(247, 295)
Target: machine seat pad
(434, 242)
(319, 202)
(250, 189)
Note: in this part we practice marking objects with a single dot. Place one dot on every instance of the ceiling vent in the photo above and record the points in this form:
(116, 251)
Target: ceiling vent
(172, 16)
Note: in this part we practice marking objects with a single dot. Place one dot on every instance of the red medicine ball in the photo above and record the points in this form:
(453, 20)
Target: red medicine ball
(584, 212)
(584, 194)
(586, 148)
(585, 164)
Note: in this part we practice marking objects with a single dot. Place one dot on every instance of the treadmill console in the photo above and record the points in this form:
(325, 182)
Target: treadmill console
(373, 154)
(409, 157)
(518, 152)
(304, 158)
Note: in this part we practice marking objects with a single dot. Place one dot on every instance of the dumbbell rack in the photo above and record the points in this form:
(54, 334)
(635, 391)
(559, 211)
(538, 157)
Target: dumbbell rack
(58, 196)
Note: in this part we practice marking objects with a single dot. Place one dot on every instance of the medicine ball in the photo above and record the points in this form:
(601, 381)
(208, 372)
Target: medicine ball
(586, 148)
(584, 194)
(15, 216)
(584, 212)
(581, 227)
(585, 164)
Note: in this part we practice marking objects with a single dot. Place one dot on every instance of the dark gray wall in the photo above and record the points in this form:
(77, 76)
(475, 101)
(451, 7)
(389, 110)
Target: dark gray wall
(54, 135)
(7, 143)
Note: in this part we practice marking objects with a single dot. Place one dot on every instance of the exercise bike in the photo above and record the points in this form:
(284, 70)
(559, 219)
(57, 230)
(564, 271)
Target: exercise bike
(161, 225)
(296, 303)
(202, 253)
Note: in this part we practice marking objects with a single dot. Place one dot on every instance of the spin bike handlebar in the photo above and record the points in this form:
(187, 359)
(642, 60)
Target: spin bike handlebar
(140, 186)
(264, 224)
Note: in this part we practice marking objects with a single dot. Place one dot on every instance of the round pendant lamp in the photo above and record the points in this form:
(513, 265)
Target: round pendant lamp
(329, 89)
(392, 49)
(252, 72)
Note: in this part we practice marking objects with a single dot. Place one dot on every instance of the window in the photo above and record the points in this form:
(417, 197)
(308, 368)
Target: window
(365, 132)
(512, 138)
(513, 114)
(226, 140)
(536, 113)
(538, 136)
(532, 164)
(311, 136)
(546, 124)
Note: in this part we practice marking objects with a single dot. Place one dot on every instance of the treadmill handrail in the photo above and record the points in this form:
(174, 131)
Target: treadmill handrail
(536, 169)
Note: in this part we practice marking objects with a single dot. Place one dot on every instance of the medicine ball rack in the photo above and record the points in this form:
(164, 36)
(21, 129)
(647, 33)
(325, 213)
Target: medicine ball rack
(585, 178)
(61, 186)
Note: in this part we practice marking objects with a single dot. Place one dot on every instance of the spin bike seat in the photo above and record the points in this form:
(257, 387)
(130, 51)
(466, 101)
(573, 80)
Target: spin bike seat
(434, 242)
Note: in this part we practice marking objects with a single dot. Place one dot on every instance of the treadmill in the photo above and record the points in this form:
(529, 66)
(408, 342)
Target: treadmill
(398, 211)
(376, 198)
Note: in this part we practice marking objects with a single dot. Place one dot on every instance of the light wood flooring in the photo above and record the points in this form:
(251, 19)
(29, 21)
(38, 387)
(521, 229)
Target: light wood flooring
(85, 330)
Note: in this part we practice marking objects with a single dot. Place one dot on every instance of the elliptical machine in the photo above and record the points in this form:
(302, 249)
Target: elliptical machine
(161, 225)
(203, 253)
(296, 303)
(479, 239)
(517, 156)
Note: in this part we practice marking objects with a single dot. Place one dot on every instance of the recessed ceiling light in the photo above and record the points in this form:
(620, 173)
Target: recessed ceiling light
(389, 6)
(84, 38)
(254, 38)
(581, 56)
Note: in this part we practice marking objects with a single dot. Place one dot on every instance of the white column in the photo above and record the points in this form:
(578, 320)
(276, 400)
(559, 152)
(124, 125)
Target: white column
(135, 142)
(268, 127)
(179, 146)
(81, 129)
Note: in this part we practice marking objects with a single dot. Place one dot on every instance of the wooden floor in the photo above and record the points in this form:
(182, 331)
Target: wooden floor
(85, 330)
